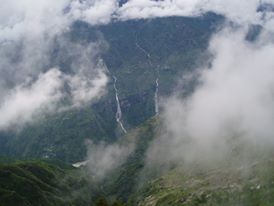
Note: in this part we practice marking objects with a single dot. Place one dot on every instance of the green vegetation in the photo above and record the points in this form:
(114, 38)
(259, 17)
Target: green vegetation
(61, 136)
(173, 44)
(225, 185)
(124, 181)
(42, 183)
(28, 182)
(248, 183)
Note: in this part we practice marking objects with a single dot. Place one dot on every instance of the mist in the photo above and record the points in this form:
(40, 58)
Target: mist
(230, 114)
(29, 31)
(104, 158)
(233, 100)
(42, 70)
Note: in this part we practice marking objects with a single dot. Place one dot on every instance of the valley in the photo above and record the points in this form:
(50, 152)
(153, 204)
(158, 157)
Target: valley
(136, 103)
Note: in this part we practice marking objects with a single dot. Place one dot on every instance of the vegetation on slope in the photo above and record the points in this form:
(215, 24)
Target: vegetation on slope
(230, 183)
(250, 184)
(173, 44)
(36, 183)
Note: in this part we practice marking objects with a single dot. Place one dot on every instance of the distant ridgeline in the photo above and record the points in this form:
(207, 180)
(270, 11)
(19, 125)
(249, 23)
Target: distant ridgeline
(139, 53)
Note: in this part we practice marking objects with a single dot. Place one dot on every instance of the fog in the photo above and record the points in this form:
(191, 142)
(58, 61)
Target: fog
(30, 29)
(105, 158)
(231, 106)
(230, 114)
(33, 48)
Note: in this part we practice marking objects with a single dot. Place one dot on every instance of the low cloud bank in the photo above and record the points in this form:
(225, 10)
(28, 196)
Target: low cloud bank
(34, 92)
(231, 110)
(233, 101)
(30, 29)
(104, 158)
(40, 67)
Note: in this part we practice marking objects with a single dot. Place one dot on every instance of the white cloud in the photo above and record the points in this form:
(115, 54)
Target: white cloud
(28, 99)
(86, 81)
(94, 11)
(35, 17)
(138, 9)
(103, 158)
(29, 30)
(31, 19)
(24, 103)
(83, 89)
(241, 12)
(233, 104)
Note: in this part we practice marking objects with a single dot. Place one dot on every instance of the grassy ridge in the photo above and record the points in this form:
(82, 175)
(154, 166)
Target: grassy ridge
(41, 183)
(231, 183)
(228, 185)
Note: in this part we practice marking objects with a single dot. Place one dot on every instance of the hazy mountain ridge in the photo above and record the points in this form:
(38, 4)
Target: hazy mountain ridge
(42, 183)
(139, 103)
(170, 55)
(229, 183)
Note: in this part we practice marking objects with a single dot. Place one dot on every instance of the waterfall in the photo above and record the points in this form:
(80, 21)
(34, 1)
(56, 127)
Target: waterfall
(156, 98)
(143, 50)
(118, 114)
(156, 102)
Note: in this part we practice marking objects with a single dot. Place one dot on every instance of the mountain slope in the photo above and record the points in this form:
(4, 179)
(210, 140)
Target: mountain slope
(140, 53)
(220, 186)
(233, 182)
(28, 183)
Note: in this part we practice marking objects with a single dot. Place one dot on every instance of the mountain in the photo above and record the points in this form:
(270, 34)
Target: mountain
(36, 182)
(32, 182)
(220, 186)
(28, 182)
(136, 103)
(137, 53)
